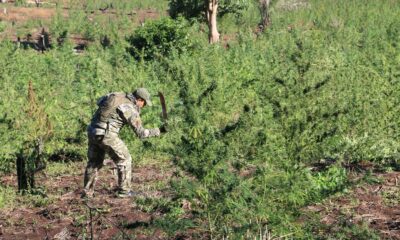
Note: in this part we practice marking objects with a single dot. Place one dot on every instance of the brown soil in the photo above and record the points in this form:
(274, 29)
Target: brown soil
(18, 16)
(143, 15)
(22, 14)
(377, 205)
(68, 215)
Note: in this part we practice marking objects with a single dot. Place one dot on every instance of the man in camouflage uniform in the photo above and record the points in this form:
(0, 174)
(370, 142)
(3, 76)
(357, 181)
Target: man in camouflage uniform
(115, 110)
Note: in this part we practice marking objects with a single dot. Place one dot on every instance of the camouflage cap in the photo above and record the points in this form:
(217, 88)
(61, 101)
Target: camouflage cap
(143, 94)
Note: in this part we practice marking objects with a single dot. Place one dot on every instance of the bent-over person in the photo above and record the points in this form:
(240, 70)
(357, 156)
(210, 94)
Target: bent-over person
(114, 111)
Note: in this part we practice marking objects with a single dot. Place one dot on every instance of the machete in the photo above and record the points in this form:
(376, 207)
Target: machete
(164, 108)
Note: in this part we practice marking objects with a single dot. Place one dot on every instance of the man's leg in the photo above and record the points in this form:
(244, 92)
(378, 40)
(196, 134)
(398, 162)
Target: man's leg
(125, 175)
(96, 157)
(118, 151)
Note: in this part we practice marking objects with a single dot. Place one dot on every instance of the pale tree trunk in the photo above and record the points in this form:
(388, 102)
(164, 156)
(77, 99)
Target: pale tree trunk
(211, 13)
(264, 12)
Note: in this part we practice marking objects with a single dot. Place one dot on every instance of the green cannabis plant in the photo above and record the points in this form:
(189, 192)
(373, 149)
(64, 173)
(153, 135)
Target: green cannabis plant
(159, 38)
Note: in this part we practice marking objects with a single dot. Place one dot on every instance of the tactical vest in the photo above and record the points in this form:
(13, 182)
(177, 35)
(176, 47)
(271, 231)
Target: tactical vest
(107, 106)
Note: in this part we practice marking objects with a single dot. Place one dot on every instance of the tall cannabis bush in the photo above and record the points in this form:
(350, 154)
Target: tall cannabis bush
(34, 128)
(248, 123)
(159, 38)
(254, 120)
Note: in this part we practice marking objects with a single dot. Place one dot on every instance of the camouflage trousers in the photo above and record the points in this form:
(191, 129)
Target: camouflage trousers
(112, 145)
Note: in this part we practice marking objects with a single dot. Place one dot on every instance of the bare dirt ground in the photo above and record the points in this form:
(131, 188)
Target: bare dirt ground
(377, 205)
(18, 17)
(67, 216)
(64, 215)
(11, 13)
(23, 14)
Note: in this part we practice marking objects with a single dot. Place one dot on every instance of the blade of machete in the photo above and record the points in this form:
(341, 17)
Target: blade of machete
(163, 106)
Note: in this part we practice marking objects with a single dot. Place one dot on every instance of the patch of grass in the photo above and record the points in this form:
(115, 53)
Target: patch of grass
(20, 3)
(36, 198)
(356, 231)
(3, 26)
(391, 197)
(154, 204)
(159, 160)
(154, 186)
(127, 5)
(370, 178)
(56, 169)
(344, 228)
(172, 224)
(7, 196)
(80, 220)
(174, 217)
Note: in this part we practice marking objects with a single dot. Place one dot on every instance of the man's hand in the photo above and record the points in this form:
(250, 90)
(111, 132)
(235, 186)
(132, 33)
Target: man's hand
(163, 129)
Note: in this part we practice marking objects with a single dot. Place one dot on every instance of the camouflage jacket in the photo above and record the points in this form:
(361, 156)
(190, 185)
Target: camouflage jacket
(125, 113)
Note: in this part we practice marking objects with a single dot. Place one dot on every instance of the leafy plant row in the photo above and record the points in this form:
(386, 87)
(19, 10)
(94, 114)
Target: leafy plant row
(248, 123)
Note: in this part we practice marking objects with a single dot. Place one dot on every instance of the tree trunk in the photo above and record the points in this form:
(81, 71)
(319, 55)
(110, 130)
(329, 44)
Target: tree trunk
(22, 173)
(26, 168)
(29, 161)
(264, 12)
(211, 13)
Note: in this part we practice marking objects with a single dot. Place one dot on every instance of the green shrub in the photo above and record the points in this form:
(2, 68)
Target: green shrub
(19, 3)
(159, 38)
(254, 118)
(196, 8)
(236, 7)
(186, 8)
(330, 181)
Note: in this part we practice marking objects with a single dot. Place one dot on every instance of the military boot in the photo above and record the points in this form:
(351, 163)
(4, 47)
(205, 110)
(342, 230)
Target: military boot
(87, 193)
(127, 194)
(124, 180)
(89, 182)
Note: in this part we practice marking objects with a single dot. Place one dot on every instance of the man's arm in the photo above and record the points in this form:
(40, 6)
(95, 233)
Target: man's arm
(132, 117)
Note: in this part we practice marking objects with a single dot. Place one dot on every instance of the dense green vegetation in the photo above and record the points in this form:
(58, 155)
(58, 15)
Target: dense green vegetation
(195, 8)
(247, 121)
